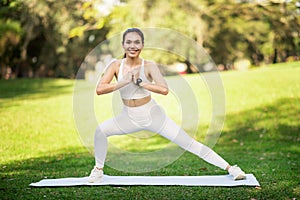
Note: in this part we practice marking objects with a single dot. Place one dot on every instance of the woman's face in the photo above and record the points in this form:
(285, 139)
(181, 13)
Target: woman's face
(133, 44)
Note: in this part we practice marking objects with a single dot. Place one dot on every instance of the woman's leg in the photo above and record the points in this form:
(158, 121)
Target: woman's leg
(166, 127)
(188, 143)
(116, 126)
(119, 125)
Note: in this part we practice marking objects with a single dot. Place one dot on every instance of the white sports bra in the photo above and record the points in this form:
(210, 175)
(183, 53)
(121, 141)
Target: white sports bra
(132, 91)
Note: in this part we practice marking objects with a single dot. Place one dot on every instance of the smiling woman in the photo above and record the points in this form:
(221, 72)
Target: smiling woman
(134, 42)
(136, 79)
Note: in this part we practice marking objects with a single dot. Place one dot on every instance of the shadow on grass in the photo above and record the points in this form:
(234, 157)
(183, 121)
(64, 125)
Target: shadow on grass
(43, 88)
(70, 164)
(263, 141)
(276, 124)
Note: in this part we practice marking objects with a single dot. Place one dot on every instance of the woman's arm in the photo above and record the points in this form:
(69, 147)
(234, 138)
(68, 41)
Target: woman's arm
(105, 86)
(160, 85)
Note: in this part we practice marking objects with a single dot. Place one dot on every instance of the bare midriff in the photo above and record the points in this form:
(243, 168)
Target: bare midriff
(136, 102)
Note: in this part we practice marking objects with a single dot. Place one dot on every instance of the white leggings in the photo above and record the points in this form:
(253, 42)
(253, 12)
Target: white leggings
(150, 117)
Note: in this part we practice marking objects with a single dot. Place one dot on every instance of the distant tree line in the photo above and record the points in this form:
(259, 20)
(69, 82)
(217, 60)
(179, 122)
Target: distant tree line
(46, 38)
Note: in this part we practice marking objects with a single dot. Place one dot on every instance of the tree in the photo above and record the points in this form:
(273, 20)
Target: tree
(44, 47)
(10, 36)
(284, 22)
(51, 38)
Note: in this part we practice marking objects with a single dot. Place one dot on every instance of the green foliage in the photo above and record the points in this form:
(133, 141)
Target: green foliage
(10, 26)
(261, 134)
(93, 18)
(10, 35)
(51, 38)
(227, 29)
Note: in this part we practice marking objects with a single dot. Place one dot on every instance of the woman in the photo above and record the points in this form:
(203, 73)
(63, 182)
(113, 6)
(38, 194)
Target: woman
(136, 79)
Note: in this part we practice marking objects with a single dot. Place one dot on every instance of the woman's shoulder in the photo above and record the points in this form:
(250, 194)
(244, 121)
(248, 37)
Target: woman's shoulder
(149, 63)
(114, 64)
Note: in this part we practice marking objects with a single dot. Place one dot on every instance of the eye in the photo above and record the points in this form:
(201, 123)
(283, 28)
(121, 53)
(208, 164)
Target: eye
(137, 42)
(128, 42)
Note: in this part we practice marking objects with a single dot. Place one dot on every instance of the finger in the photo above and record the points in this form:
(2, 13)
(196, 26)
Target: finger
(135, 71)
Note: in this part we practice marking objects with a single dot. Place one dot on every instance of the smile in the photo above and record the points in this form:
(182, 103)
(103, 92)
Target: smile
(133, 50)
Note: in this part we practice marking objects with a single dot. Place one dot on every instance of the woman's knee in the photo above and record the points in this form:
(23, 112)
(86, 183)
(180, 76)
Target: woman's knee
(99, 132)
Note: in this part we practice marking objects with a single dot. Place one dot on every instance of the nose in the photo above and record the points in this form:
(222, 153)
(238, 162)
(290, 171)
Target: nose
(132, 45)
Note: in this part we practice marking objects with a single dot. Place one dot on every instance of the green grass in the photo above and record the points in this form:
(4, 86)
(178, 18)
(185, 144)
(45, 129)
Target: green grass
(261, 133)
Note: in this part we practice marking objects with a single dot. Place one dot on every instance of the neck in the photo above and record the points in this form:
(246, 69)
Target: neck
(133, 61)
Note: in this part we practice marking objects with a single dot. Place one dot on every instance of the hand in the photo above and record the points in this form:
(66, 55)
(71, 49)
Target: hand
(135, 70)
(130, 76)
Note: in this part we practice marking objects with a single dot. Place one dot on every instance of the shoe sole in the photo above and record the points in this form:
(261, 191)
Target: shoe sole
(96, 180)
(240, 177)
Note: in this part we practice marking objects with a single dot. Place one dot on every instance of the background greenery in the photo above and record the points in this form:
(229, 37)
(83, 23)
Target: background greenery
(46, 38)
(261, 134)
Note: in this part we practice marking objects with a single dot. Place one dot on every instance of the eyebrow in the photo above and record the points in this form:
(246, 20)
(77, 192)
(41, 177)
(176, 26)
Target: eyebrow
(134, 40)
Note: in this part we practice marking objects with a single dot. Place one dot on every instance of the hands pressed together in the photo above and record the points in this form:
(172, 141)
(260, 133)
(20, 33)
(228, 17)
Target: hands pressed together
(132, 75)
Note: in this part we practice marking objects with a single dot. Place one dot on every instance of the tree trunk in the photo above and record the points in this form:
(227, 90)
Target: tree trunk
(275, 56)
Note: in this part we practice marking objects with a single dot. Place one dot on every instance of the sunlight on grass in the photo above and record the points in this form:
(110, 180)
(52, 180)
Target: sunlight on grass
(246, 90)
(37, 123)
(136, 143)
(38, 118)
(261, 133)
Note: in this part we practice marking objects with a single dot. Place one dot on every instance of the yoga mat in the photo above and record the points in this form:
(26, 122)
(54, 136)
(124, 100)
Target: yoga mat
(218, 180)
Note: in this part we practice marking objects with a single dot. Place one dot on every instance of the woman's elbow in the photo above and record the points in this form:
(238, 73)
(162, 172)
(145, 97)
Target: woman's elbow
(165, 91)
(99, 91)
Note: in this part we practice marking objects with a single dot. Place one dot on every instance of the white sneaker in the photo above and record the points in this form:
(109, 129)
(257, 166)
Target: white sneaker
(237, 173)
(96, 176)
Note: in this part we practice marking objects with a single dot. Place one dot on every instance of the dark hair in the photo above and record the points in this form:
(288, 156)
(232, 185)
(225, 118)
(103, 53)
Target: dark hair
(130, 30)
(136, 30)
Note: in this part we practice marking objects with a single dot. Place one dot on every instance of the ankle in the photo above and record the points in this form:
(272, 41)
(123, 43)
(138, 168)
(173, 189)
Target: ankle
(228, 167)
(99, 168)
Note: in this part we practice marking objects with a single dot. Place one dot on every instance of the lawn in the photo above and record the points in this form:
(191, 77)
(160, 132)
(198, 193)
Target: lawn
(261, 134)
